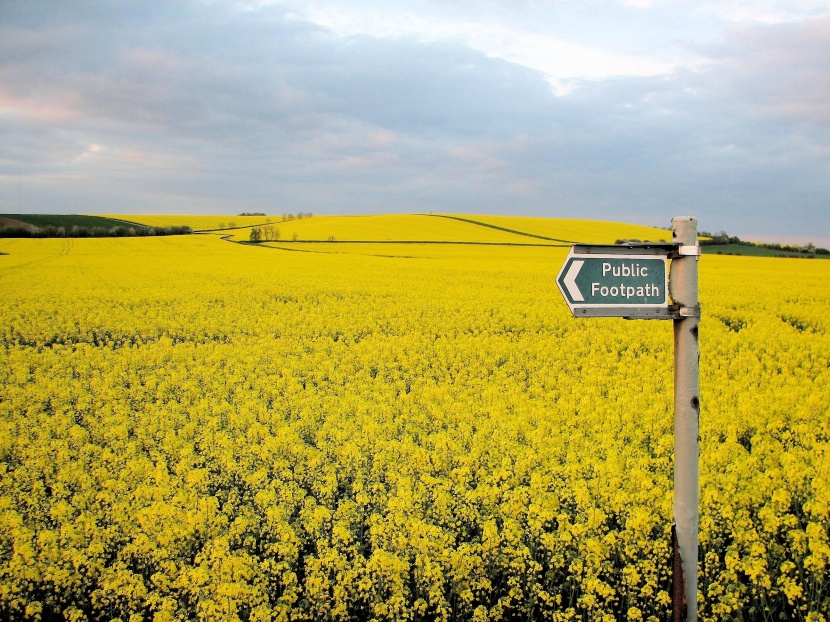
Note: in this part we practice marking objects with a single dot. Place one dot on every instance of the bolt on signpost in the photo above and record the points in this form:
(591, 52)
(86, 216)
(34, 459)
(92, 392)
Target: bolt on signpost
(634, 281)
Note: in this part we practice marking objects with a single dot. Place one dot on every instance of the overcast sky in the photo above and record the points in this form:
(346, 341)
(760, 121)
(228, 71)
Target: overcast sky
(629, 110)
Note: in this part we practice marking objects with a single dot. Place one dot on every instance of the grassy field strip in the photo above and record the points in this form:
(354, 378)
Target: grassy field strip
(756, 251)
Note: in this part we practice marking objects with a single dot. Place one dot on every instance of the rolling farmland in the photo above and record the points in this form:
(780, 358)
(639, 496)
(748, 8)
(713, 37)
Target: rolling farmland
(405, 425)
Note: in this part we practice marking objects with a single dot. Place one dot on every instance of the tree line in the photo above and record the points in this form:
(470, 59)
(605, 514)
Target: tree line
(722, 239)
(119, 231)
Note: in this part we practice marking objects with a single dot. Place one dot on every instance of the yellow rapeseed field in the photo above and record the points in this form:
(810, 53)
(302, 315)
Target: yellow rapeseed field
(411, 227)
(455, 228)
(570, 229)
(196, 429)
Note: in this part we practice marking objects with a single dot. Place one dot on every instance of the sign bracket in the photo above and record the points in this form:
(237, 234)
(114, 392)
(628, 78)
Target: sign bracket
(667, 249)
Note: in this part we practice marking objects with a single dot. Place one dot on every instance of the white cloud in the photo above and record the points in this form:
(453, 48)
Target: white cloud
(764, 11)
(738, 11)
(556, 57)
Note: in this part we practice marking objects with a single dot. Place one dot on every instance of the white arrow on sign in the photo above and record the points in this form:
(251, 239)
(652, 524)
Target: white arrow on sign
(570, 280)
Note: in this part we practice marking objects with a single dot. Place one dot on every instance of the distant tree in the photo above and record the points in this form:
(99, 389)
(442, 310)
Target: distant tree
(15, 232)
(270, 233)
(255, 235)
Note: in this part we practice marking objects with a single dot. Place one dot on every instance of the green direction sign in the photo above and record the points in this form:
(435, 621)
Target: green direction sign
(615, 285)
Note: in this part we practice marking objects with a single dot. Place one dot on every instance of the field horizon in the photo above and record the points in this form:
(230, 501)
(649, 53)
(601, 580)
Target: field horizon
(380, 228)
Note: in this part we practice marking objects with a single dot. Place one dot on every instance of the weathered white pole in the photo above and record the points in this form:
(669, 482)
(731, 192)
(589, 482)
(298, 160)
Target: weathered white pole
(684, 292)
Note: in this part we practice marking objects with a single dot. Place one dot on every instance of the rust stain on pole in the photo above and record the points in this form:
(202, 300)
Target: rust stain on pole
(678, 596)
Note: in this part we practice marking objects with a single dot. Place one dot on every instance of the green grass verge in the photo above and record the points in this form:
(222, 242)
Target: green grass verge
(749, 250)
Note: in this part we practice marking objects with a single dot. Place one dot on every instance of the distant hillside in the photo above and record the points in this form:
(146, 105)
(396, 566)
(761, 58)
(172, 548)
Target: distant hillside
(77, 226)
(448, 229)
(724, 244)
(67, 221)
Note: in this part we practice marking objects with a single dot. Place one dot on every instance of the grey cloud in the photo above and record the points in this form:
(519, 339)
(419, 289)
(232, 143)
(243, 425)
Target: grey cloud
(199, 69)
(439, 88)
(210, 107)
(777, 71)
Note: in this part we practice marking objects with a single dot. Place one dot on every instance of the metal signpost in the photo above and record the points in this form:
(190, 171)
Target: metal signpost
(632, 281)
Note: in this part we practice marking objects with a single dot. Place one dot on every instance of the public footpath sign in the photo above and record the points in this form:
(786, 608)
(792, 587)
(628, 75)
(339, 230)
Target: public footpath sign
(633, 281)
(617, 281)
